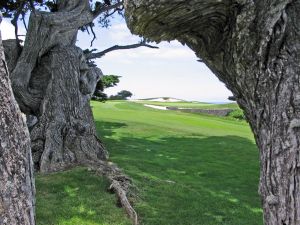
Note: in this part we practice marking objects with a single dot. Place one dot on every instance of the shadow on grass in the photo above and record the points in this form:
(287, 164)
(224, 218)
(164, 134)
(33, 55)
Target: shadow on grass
(108, 128)
(192, 180)
(182, 180)
(76, 197)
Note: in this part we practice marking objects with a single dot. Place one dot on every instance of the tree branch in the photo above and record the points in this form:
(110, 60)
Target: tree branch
(102, 9)
(94, 35)
(14, 21)
(24, 23)
(90, 56)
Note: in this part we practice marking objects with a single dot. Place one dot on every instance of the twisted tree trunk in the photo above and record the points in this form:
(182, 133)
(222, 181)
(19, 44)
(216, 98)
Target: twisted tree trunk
(16, 171)
(65, 134)
(53, 84)
(254, 48)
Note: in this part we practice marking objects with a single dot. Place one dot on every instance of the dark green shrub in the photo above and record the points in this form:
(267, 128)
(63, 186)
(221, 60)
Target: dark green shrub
(237, 114)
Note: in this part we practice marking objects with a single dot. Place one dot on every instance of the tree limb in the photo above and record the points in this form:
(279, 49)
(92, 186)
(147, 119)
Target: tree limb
(24, 22)
(14, 21)
(90, 56)
(102, 9)
(94, 35)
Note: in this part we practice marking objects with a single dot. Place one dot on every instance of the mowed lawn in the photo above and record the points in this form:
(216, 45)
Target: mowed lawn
(194, 105)
(189, 170)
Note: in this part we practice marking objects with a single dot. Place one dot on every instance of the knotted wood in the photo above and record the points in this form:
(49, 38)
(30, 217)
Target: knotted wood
(53, 85)
(254, 48)
(16, 169)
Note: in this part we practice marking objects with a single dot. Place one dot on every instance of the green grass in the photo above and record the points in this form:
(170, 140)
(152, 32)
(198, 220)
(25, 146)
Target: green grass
(194, 105)
(76, 197)
(236, 114)
(190, 169)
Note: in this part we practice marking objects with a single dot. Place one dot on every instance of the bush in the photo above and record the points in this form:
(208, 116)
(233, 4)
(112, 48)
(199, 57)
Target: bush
(237, 114)
(122, 95)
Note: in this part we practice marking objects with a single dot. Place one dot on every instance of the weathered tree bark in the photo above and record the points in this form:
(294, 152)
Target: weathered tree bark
(65, 134)
(53, 83)
(16, 171)
(54, 93)
(254, 48)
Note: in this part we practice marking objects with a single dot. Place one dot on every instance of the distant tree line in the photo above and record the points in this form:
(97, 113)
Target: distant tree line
(108, 81)
(122, 95)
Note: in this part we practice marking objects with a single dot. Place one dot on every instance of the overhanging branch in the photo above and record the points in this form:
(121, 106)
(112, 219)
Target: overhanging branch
(106, 8)
(90, 56)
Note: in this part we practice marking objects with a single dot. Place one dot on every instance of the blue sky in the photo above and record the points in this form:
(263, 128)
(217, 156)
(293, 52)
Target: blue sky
(172, 70)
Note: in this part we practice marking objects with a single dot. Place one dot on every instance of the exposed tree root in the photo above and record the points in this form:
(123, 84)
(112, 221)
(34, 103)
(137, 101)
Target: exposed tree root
(122, 196)
(121, 185)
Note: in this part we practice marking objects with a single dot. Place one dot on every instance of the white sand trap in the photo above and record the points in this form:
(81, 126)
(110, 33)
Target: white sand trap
(156, 107)
(165, 100)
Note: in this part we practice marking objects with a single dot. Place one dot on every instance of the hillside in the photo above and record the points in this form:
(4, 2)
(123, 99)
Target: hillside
(186, 104)
(189, 169)
(162, 99)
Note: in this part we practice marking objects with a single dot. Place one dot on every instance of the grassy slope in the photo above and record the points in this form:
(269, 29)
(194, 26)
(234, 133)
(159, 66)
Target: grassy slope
(190, 169)
(196, 105)
(76, 197)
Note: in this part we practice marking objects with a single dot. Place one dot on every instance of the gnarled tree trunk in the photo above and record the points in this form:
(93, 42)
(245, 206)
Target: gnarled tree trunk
(53, 84)
(65, 134)
(254, 48)
(16, 170)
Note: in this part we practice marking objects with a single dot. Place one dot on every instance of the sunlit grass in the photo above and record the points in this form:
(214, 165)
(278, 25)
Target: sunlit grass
(195, 105)
(76, 197)
(190, 169)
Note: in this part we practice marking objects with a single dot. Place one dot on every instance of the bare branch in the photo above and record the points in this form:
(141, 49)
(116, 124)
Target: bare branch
(107, 15)
(24, 23)
(94, 35)
(110, 14)
(90, 56)
(14, 21)
(106, 8)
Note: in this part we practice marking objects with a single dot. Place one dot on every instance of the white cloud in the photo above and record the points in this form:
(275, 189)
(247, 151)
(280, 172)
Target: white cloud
(8, 30)
(173, 50)
(169, 52)
(171, 70)
(120, 32)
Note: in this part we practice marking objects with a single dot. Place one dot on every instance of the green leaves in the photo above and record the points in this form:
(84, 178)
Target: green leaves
(106, 81)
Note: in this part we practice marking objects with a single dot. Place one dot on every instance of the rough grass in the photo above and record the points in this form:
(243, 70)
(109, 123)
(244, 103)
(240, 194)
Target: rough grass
(189, 169)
